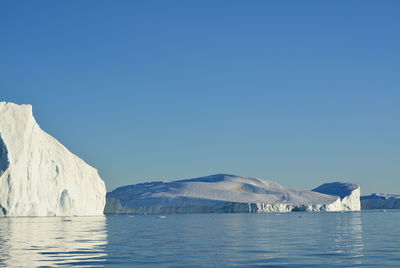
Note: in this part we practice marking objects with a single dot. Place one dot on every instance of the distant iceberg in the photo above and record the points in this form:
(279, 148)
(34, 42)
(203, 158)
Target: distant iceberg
(348, 193)
(380, 201)
(229, 193)
(38, 175)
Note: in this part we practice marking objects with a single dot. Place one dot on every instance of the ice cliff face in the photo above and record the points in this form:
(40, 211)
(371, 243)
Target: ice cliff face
(220, 193)
(348, 193)
(38, 175)
(380, 201)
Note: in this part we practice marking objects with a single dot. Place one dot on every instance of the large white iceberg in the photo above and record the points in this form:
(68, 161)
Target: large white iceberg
(380, 201)
(348, 193)
(228, 193)
(38, 175)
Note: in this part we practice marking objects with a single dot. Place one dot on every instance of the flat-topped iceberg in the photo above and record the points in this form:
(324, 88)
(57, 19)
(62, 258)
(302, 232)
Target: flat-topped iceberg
(38, 175)
(228, 193)
(380, 201)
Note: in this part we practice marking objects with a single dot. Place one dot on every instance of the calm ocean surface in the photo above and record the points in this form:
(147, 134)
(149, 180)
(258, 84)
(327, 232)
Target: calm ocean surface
(369, 239)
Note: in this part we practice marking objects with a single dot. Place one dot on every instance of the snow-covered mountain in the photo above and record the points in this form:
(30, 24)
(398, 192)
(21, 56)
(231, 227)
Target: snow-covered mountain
(380, 201)
(228, 193)
(38, 175)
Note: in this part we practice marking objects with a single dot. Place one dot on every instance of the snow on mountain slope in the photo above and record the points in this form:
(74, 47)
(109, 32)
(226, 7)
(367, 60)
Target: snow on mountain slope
(217, 193)
(380, 201)
(38, 175)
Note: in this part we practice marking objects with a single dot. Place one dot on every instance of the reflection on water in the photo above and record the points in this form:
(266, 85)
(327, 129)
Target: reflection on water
(250, 240)
(348, 237)
(52, 241)
(204, 240)
(343, 238)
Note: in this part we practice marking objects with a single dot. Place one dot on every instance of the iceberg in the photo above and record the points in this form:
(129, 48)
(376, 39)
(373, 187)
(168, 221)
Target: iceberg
(228, 193)
(38, 175)
(380, 201)
(348, 193)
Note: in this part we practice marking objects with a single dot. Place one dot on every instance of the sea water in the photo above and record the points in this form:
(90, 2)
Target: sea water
(297, 239)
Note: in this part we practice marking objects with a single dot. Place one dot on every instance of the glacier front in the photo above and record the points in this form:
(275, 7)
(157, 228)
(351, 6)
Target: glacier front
(38, 175)
(228, 193)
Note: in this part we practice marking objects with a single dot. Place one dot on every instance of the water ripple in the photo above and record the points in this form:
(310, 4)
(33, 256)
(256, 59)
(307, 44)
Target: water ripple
(203, 240)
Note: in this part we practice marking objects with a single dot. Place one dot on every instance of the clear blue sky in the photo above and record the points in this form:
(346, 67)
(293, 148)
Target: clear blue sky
(299, 92)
